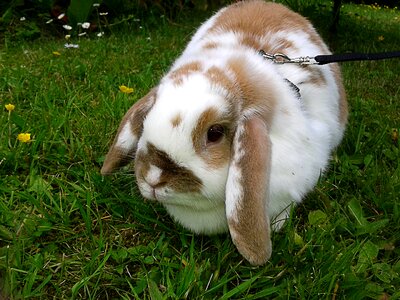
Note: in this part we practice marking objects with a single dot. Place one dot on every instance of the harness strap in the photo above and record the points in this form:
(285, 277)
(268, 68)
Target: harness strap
(294, 87)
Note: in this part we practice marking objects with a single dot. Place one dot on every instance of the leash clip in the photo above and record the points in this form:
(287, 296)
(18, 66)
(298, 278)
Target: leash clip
(279, 58)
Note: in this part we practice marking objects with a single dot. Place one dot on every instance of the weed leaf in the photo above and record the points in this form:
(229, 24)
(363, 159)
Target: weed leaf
(366, 256)
(155, 293)
(356, 210)
(373, 227)
(383, 272)
(317, 217)
(39, 185)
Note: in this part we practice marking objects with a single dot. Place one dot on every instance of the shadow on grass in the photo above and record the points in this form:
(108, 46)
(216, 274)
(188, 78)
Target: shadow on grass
(361, 28)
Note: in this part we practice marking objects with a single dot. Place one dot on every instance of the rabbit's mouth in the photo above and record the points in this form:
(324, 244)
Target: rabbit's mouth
(153, 192)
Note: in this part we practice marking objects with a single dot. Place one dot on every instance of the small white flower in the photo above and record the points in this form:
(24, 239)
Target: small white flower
(96, 4)
(100, 34)
(67, 27)
(148, 38)
(67, 45)
(22, 19)
(61, 16)
(103, 13)
(67, 36)
(86, 25)
(82, 34)
(49, 21)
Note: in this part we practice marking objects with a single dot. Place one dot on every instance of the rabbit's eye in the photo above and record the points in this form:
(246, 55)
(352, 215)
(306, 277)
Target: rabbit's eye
(215, 133)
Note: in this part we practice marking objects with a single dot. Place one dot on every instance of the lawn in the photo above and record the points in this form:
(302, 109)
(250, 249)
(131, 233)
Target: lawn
(68, 232)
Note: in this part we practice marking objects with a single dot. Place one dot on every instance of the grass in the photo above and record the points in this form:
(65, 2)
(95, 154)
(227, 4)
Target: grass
(67, 232)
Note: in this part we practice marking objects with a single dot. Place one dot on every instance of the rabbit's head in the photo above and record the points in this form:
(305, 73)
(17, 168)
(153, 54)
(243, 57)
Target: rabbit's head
(200, 146)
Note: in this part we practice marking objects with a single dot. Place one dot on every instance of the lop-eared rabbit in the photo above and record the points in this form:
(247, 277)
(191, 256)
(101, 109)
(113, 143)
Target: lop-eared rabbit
(230, 141)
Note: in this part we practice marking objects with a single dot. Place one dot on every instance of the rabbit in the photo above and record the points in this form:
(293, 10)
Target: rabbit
(229, 141)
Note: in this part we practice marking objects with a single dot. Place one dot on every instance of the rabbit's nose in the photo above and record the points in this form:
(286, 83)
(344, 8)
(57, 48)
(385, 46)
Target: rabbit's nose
(154, 177)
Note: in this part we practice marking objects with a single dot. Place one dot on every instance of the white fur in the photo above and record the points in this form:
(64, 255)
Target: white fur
(234, 195)
(153, 175)
(302, 132)
(126, 139)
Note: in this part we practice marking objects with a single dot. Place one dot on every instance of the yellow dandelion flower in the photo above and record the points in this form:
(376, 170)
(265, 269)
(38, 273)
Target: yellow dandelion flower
(381, 38)
(56, 53)
(24, 137)
(10, 107)
(125, 89)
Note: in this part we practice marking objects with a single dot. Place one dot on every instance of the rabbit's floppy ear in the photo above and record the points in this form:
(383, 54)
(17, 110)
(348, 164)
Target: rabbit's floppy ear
(247, 190)
(123, 149)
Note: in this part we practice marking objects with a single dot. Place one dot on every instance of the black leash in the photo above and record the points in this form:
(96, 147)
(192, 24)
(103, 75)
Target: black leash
(327, 59)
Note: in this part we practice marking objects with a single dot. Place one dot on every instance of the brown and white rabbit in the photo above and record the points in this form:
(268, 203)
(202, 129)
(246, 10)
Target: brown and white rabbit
(224, 141)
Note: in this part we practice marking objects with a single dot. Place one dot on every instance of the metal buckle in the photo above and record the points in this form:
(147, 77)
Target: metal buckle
(279, 58)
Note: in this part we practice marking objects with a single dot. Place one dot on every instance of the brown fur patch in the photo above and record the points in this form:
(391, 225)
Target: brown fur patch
(176, 120)
(210, 45)
(255, 93)
(255, 19)
(184, 71)
(251, 41)
(218, 77)
(282, 45)
(174, 176)
(215, 155)
(343, 107)
(251, 231)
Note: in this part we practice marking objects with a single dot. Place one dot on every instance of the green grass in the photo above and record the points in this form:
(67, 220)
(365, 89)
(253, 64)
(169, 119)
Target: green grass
(67, 232)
